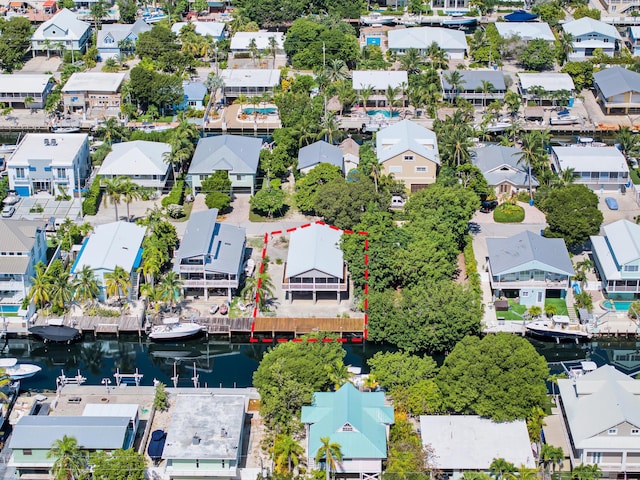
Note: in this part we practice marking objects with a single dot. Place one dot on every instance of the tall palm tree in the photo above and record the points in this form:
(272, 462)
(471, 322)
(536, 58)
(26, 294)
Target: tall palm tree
(61, 292)
(329, 128)
(118, 283)
(113, 192)
(171, 287)
(331, 453)
(437, 57)
(567, 177)
(455, 81)
(85, 285)
(250, 289)
(253, 49)
(40, 286)
(390, 95)
(550, 456)
(345, 93)
(151, 263)
(131, 191)
(500, 467)
(486, 87)
(214, 83)
(532, 153)
(337, 70)
(364, 94)
(411, 61)
(70, 462)
(566, 46)
(287, 453)
(273, 50)
(338, 373)
(629, 142)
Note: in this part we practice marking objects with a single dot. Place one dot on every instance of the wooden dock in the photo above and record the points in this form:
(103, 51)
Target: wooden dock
(301, 326)
(96, 325)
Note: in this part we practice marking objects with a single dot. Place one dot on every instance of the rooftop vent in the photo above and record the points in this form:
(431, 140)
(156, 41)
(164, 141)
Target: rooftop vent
(54, 142)
(46, 142)
(195, 440)
(223, 432)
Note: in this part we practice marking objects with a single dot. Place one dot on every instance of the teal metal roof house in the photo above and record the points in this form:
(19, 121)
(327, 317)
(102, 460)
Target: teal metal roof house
(358, 421)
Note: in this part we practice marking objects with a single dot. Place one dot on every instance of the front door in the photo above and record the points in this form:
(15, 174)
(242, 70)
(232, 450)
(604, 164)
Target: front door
(41, 186)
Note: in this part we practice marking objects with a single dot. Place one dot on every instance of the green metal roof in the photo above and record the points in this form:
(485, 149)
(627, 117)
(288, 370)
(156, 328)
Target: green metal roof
(364, 412)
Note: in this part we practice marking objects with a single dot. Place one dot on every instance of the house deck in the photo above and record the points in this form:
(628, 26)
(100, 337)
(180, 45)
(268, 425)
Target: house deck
(299, 326)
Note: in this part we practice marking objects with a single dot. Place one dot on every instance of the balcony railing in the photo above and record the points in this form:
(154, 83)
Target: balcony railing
(315, 287)
(209, 283)
(623, 288)
(201, 472)
(548, 284)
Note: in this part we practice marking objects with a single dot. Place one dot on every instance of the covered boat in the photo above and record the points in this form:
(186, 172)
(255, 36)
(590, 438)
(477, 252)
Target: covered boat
(156, 445)
(55, 331)
(520, 16)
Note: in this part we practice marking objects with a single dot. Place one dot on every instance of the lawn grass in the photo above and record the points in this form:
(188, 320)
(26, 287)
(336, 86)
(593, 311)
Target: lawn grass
(635, 177)
(515, 311)
(508, 213)
(188, 206)
(559, 303)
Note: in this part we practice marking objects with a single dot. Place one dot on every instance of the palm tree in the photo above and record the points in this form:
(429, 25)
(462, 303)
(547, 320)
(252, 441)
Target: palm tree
(531, 153)
(586, 472)
(253, 49)
(455, 81)
(629, 142)
(566, 46)
(437, 56)
(338, 373)
(486, 87)
(171, 287)
(523, 473)
(550, 456)
(61, 292)
(331, 453)
(534, 311)
(287, 452)
(70, 463)
(370, 383)
(85, 285)
(113, 192)
(118, 283)
(500, 467)
(550, 310)
(130, 191)
(251, 288)
(364, 94)
(390, 96)
(329, 128)
(214, 83)
(273, 50)
(40, 286)
(337, 70)
(112, 131)
(567, 177)
(345, 93)
(98, 12)
(411, 61)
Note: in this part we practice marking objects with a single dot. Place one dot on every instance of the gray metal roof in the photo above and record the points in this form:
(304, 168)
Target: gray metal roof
(616, 80)
(119, 32)
(221, 244)
(406, 136)
(139, 157)
(215, 421)
(92, 433)
(19, 235)
(316, 247)
(500, 164)
(472, 80)
(320, 152)
(528, 251)
(234, 153)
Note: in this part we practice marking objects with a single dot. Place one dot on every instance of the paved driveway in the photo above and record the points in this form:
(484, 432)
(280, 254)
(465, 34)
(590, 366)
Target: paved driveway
(627, 207)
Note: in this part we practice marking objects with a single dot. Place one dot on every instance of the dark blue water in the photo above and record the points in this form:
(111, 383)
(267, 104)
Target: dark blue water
(220, 363)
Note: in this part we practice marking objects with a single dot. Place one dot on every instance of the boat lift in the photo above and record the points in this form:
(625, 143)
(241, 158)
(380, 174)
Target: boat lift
(127, 378)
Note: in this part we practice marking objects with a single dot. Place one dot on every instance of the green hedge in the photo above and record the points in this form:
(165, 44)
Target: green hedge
(471, 267)
(508, 213)
(92, 199)
(176, 195)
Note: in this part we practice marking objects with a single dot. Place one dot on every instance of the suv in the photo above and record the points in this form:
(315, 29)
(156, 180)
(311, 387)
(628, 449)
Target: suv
(488, 206)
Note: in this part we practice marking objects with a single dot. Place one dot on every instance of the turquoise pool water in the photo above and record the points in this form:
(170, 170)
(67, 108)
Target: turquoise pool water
(382, 112)
(261, 111)
(619, 305)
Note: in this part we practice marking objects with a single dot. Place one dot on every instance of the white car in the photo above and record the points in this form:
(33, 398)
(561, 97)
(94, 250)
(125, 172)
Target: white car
(8, 211)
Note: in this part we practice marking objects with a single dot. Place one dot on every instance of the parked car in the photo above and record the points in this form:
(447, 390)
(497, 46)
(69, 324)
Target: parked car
(488, 206)
(611, 202)
(8, 211)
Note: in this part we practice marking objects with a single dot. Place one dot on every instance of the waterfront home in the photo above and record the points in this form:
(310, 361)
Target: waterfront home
(590, 34)
(214, 29)
(129, 410)
(235, 154)
(503, 169)
(620, 7)
(116, 39)
(601, 413)
(616, 255)
(23, 246)
(350, 154)
(211, 255)
(194, 93)
(380, 82)
(358, 421)
(33, 436)
(116, 244)
(15, 88)
(142, 161)
(63, 32)
(315, 262)
(545, 87)
(409, 152)
(529, 267)
(599, 168)
(472, 86)
(49, 162)
(249, 82)
(470, 443)
(376, 35)
(94, 93)
(205, 436)
(633, 40)
(453, 42)
(617, 90)
(241, 43)
(317, 153)
(525, 31)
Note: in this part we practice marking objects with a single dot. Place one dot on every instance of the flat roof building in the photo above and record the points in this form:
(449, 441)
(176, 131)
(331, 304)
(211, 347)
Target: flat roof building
(16, 87)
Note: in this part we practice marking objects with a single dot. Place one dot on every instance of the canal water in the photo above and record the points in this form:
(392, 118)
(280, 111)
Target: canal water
(220, 363)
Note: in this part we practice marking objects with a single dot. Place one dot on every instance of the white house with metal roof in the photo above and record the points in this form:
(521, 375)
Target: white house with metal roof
(117, 244)
(315, 262)
(23, 246)
(62, 32)
(214, 29)
(211, 254)
(237, 155)
(601, 413)
(205, 436)
(617, 90)
(93, 93)
(409, 152)
(464, 443)
(317, 153)
(16, 87)
(249, 82)
(49, 162)
(599, 168)
(453, 42)
(472, 86)
(590, 34)
(33, 436)
(525, 31)
(141, 161)
(530, 267)
(115, 39)
(543, 87)
(241, 41)
(503, 169)
(379, 81)
(616, 255)
(130, 410)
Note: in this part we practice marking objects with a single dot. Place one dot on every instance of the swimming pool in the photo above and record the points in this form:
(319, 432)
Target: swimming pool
(618, 305)
(382, 112)
(261, 111)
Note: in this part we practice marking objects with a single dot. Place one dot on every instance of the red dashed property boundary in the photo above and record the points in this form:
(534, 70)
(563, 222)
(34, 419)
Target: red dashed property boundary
(314, 340)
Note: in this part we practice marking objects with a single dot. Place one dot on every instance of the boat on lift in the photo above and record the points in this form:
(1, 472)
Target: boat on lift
(376, 18)
(18, 371)
(172, 329)
(559, 327)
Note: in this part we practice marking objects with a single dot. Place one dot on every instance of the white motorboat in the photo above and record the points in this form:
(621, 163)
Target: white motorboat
(498, 126)
(7, 148)
(69, 129)
(18, 371)
(559, 327)
(172, 329)
(564, 120)
(376, 18)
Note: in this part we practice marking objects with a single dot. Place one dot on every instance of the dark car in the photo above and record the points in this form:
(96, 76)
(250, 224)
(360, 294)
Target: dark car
(488, 206)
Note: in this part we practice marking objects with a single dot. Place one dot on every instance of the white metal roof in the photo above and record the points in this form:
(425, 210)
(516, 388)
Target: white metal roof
(406, 136)
(61, 154)
(624, 238)
(316, 247)
(139, 157)
(215, 29)
(591, 159)
(422, 37)
(378, 79)
(23, 83)
(470, 442)
(241, 40)
(94, 82)
(67, 21)
(250, 78)
(111, 410)
(587, 25)
(551, 82)
(525, 30)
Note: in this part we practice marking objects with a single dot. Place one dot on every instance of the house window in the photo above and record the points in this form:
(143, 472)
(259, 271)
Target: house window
(631, 268)
(596, 457)
(408, 158)
(197, 463)
(223, 464)
(61, 173)
(20, 172)
(27, 452)
(524, 294)
(347, 427)
(421, 169)
(238, 178)
(612, 431)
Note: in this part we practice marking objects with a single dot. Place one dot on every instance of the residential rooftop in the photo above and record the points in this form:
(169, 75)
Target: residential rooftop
(94, 82)
(24, 83)
(60, 153)
(591, 159)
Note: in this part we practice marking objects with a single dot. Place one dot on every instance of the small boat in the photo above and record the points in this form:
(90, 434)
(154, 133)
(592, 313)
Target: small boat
(458, 20)
(70, 129)
(376, 18)
(564, 120)
(224, 309)
(156, 445)
(18, 371)
(498, 126)
(214, 309)
(172, 329)
(559, 327)
(249, 267)
(55, 331)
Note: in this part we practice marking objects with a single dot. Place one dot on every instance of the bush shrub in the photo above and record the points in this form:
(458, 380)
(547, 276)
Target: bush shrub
(176, 195)
(92, 199)
(508, 213)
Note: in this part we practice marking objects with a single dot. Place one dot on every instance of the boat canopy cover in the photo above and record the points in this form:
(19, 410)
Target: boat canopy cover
(520, 16)
(156, 445)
